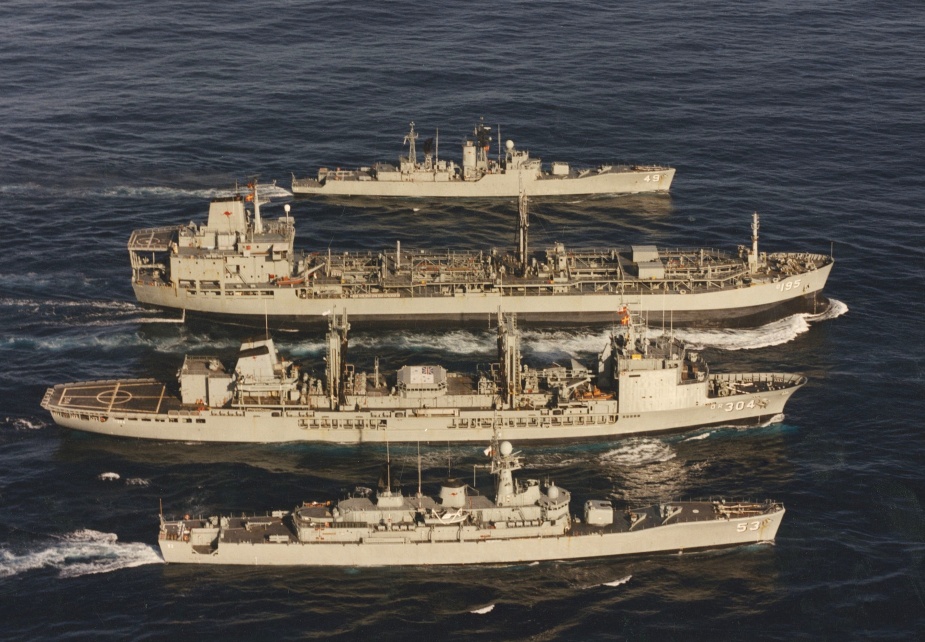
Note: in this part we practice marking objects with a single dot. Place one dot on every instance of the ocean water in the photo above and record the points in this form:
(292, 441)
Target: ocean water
(124, 115)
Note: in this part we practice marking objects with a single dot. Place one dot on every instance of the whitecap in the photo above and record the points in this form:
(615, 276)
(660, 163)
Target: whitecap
(622, 580)
(484, 610)
(109, 476)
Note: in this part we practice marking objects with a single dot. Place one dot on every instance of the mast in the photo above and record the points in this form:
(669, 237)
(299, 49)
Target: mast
(509, 356)
(753, 257)
(335, 369)
(522, 232)
(412, 151)
(255, 196)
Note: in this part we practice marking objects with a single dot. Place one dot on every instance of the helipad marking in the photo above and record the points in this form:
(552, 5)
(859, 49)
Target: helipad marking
(114, 396)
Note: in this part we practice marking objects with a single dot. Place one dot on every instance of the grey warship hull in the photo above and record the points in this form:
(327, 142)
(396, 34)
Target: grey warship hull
(86, 407)
(396, 548)
(242, 268)
(288, 306)
(524, 523)
(621, 179)
(641, 386)
(481, 176)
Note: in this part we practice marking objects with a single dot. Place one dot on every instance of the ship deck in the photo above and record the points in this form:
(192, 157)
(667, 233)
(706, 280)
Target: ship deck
(104, 397)
(152, 239)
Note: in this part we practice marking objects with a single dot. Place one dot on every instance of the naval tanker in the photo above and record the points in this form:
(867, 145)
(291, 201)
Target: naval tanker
(642, 384)
(526, 521)
(241, 267)
(481, 176)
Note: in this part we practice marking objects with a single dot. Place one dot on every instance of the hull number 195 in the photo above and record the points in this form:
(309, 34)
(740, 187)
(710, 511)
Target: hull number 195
(787, 286)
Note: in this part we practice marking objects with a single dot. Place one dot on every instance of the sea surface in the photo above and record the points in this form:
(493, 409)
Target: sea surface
(120, 115)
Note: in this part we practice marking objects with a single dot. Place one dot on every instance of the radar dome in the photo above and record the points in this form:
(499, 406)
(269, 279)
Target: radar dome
(506, 448)
(553, 492)
(509, 145)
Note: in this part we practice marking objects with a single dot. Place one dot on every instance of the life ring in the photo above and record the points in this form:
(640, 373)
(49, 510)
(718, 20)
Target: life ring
(186, 537)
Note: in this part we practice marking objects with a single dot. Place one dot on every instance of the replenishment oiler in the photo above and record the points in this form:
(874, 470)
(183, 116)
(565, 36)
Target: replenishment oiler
(525, 522)
(481, 176)
(242, 268)
(641, 385)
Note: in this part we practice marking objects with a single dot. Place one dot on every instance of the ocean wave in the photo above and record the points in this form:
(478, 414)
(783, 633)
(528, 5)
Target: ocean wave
(622, 580)
(82, 552)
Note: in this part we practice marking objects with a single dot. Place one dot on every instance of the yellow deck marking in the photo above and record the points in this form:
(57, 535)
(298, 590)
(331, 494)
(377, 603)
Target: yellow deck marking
(114, 393)
(163, 389)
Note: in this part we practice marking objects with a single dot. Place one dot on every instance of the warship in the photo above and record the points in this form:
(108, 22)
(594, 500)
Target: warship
(242, 268)
(527, 521)
(642, 384)
(481, 176)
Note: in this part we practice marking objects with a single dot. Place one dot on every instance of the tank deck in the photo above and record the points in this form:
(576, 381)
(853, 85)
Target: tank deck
(134, 395)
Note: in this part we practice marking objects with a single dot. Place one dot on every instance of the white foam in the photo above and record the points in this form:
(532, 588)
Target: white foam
(622, 580)
(268, 190)
(484, 610)
(83, 552)
(137, 481)
(639, 452)
(771, 334)
(457, 342)
(20, 423)
(699, 437)
(109, 476)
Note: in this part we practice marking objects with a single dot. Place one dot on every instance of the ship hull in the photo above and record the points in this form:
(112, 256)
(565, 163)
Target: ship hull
(597, 420)
(502, 185)
(747, 304)
(398, 552)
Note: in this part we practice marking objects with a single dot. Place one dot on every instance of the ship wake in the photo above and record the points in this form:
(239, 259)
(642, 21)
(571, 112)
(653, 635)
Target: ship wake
(82, 552)
(770, 334)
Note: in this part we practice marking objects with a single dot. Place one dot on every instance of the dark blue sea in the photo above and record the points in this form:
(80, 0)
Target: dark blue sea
(120, 115)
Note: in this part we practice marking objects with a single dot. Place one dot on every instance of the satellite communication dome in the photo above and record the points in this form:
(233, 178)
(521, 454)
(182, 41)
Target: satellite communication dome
(506, 448)
(509, 145)
(553, 492)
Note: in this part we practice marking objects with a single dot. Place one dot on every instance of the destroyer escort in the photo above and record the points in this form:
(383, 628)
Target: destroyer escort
(481, 176)
(525, 522)
(641, 385)
(239, 266)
